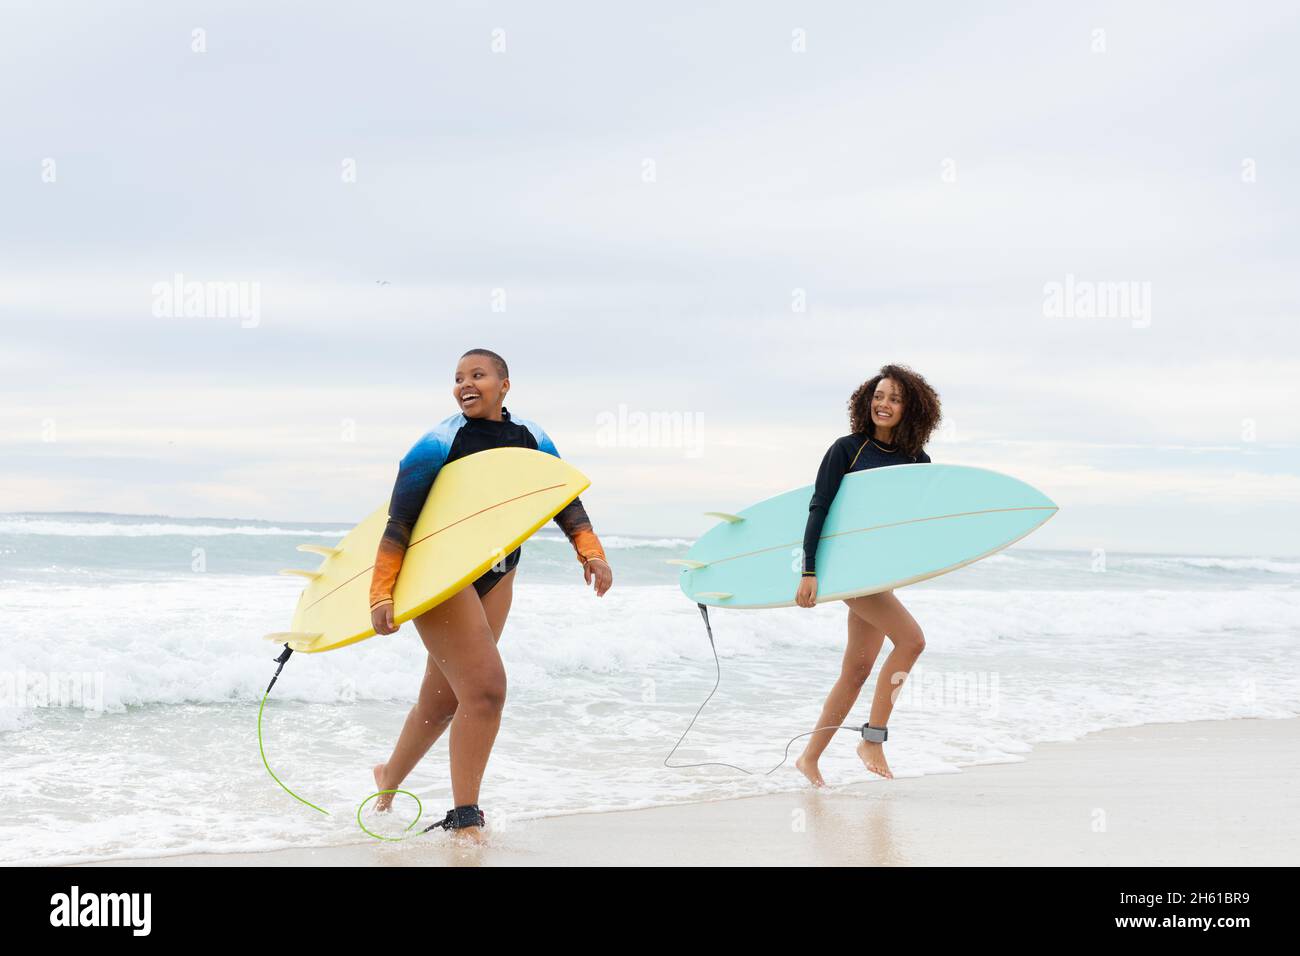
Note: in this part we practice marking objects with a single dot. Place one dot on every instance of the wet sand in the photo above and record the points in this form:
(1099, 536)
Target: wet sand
(1215, 793)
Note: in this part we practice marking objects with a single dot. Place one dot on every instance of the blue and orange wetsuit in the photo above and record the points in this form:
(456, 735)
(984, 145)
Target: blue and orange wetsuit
(454, 438)
(850, 453)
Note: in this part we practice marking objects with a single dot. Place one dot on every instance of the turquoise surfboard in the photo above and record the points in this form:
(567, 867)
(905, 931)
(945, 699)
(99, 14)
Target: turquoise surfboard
(886, 528)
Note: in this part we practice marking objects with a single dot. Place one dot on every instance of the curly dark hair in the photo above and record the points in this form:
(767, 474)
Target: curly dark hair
(921, 411)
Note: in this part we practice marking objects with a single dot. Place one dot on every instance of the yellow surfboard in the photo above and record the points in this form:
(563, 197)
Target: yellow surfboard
(481, 508)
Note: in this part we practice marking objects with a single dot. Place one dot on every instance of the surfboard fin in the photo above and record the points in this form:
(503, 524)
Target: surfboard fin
(724, 516)
(686, 563)
(298, 640)
(716, 595)
(320, 549)
(300, 573)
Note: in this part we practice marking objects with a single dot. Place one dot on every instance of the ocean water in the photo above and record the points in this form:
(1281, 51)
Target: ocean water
(132, 667)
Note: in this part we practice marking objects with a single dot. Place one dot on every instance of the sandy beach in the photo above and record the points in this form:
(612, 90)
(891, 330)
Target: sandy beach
(1215, 793)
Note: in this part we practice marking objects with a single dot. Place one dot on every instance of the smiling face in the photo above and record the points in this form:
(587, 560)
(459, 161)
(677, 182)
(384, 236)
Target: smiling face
(480, 389)
(886, 407)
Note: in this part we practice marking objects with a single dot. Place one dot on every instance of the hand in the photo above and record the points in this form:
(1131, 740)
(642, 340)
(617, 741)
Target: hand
(382, 619)
(599, 569)
(806, 596)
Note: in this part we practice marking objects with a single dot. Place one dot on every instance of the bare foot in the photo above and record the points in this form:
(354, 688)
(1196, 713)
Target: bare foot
(809, 769)
(873, 758)
(468, 835)
(385, 800)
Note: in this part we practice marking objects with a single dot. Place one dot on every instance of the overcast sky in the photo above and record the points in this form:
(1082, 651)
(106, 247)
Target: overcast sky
(633, 204)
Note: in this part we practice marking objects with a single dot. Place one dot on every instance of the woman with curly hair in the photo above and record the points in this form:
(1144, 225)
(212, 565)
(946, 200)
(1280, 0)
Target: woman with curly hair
(892, 416)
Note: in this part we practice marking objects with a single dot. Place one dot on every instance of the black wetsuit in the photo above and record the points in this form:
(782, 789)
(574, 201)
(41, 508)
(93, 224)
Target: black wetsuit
(480, 434)
(850, 453)
(454, 438)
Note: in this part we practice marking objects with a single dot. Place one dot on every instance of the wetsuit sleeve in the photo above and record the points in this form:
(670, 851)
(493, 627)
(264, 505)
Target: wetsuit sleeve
(922, 458)
(834, 466)
(572, 519)
(415, 477)
(575, 524)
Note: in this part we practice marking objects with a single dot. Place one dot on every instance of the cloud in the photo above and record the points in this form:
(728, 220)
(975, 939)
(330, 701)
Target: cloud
(900, 192)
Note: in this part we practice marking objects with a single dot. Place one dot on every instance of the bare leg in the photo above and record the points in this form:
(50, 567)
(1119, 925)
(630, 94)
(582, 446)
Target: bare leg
(437, 703)
(424, 725)
(885, 612)
(860, 653)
